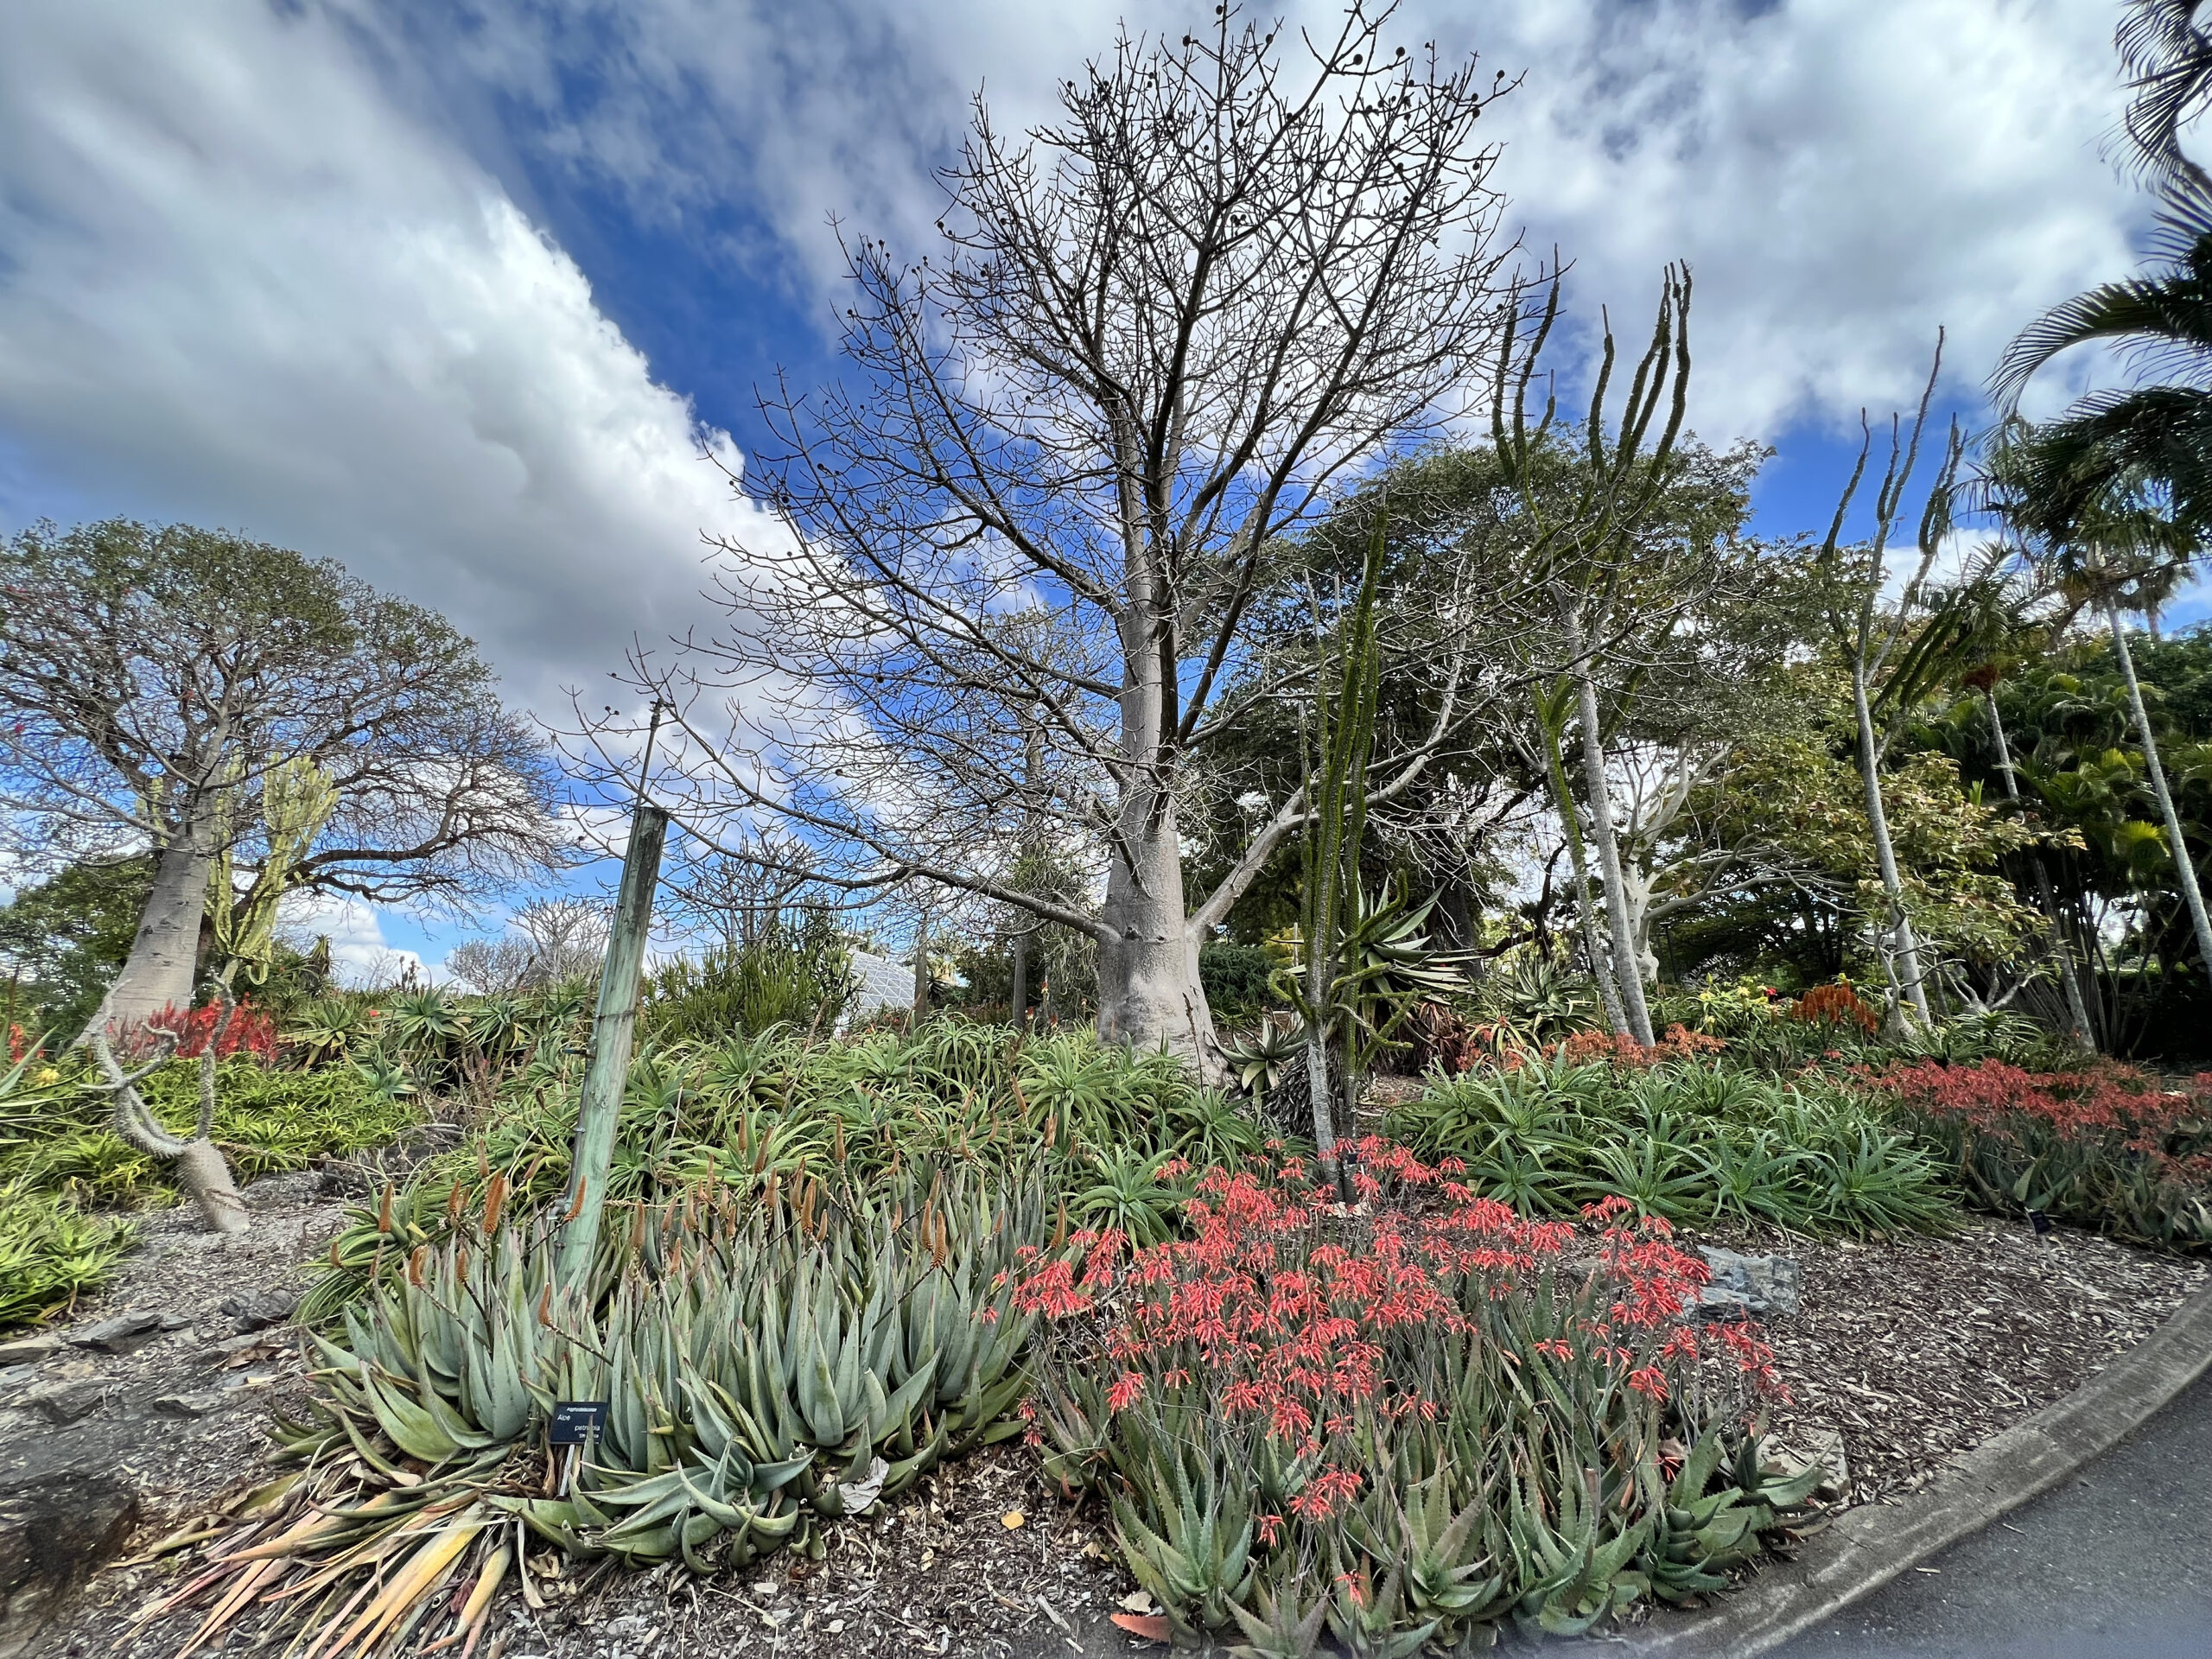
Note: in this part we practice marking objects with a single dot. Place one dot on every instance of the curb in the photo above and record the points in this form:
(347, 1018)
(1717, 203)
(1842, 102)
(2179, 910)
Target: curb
(1866, 1548)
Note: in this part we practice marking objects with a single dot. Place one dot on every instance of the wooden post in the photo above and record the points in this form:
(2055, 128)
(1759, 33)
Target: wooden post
(613, 1030)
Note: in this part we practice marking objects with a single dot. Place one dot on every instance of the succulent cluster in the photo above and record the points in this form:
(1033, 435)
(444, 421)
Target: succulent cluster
(1404, 1423)
(768, 1361)
(1690, 1141)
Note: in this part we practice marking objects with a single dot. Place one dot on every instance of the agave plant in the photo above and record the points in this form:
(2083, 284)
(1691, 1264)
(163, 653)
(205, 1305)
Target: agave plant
(1256, 1057)
(326, 1031)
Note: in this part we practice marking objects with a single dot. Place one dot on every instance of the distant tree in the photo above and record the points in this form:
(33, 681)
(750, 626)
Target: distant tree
(154, 680)
(63, 939)
(548, 941)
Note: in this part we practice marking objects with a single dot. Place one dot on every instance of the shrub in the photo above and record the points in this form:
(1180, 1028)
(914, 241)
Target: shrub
(789, 976)
(1406, 1425)
(2104, 1145)
(1684, 1139)
(1236, 980)
(185, 1034)
(774, 1104)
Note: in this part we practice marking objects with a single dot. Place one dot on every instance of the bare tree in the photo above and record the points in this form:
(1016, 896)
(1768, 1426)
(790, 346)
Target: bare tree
(548, 940)
(1156, 333)
(1875, 640)
(153, 680)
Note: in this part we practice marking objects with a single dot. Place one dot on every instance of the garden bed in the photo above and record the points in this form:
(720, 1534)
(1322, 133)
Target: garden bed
(1912, 1350)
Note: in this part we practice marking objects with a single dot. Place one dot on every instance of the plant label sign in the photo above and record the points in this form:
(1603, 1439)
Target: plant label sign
(2040, 1220)
(576, 1422)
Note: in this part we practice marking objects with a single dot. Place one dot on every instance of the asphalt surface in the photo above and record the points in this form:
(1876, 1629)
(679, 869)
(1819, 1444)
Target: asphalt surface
(2116, 1562)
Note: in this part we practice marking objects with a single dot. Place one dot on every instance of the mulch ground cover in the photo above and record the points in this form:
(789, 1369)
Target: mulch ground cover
(1905, 1352)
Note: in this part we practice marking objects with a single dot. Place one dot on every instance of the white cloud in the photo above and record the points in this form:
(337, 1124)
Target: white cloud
(360, 956)
(239, 285)
(1844, 175)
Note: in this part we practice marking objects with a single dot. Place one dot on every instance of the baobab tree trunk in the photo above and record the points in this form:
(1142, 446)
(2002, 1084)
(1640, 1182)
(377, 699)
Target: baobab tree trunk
(2184, 865)
(1627, 969)
(2077, 1011)
(160, 971)
(1148, 991)
(1878, 819)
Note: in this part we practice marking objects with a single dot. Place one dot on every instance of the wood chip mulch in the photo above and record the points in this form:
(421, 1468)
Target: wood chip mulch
(1916, 1349)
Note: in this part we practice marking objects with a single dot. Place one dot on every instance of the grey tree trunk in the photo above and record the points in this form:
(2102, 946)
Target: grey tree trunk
(1148, 991)
(2077, 1011)
(1019, 995)
(2184, 866)
(1627, 970)
(1878, 818)
(1585, 910)
(160, 969)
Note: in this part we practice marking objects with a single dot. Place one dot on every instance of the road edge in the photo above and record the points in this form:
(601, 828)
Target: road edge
(1866, 1548)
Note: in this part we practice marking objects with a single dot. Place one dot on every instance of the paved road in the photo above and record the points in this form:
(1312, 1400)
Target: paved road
(2116, 1562)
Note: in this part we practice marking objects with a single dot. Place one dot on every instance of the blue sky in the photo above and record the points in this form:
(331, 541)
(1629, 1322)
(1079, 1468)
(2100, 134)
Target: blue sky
(456, 292)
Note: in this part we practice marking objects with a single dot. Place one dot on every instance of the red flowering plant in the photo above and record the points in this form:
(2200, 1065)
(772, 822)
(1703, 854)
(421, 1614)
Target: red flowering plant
(1405, 1417)
(2105, 1146)
(187, 1034)
(1680, 1043)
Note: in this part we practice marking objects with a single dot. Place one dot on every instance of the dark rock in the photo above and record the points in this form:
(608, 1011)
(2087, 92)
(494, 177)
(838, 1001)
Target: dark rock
(54, 1530)
(197, 1403)
(1762, 1287)
(28, 1350)
(256, 1310)
(67, 1402)
(120, 1335)
(280, 1191)
(175, 1321)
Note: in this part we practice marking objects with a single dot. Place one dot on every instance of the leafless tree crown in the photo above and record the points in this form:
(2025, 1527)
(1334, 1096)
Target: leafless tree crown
(1025, 532)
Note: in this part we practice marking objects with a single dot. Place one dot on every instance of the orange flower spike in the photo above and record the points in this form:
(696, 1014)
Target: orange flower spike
(384, 1211)
(495, 1196)
(454, 1202)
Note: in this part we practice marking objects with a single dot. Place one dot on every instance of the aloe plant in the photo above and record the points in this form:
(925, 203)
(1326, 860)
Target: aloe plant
(770, 1361)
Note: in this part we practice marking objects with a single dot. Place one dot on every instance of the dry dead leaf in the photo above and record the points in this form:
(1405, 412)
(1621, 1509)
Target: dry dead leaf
(1151, 1629)
(1012, 1519)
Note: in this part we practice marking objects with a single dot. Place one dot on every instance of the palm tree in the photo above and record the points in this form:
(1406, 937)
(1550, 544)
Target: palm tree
(2100, 543)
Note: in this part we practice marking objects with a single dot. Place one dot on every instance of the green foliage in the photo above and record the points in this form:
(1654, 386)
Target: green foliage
(790, 976)
(774, 1104)
(267, 1122)
(1234, 978)
(66, 938)
(52, 1251)
(1536, 998)
(61, 1167)
(772, 1360)
(1691, 1141)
